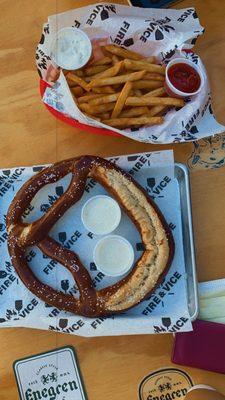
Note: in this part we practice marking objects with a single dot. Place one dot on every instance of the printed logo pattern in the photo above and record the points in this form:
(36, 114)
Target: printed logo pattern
(53, 375)
(208, 153)
(166, 383)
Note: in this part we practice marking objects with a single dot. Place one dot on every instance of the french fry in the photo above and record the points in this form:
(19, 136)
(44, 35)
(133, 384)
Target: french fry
(155, 93)
(93, 117)
(122, 99)
(103, 61)
(71, 83)
(79, 81)
(115, 59)
(86, 108)
(155, 77)
(96, 69)
(105, 99)
(99, 109)
(103, 89)
(102, 108)
(135, 76)
(89, 97)
(146, 84)
(141, 65)
(134, 112)
(110, 72)
(88, 78)
(104, 116)
(155, 110)
(153, 101)
(127, 122)
(119, 51)
(105, 52)
(137, 92)
(151, 60)
(77, 91)
(65, 71)
(78, 72)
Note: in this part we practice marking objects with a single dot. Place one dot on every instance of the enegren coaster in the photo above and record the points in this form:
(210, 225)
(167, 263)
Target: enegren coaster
(53, 375)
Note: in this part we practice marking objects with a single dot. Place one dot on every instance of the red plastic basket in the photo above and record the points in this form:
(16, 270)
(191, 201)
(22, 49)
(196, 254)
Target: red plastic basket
(72, 122)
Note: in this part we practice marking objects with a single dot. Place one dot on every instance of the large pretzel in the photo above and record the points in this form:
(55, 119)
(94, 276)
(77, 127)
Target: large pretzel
(148, 270)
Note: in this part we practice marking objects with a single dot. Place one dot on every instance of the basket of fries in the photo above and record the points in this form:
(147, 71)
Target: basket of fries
(122, 90)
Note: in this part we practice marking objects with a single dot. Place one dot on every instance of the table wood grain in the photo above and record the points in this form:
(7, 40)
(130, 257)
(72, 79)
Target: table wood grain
(112, 367)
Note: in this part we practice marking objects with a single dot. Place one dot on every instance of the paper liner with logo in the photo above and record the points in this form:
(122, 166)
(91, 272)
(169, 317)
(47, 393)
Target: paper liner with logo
(147, 273)
(163, 33)
(165, 311)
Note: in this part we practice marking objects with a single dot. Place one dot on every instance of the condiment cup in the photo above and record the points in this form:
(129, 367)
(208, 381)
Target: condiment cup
(173, 91)
(69, 34)
(101, 215)
(113, 255)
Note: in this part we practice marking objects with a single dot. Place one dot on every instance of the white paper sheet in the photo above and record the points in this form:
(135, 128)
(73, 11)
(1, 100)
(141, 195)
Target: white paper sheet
(209, 287)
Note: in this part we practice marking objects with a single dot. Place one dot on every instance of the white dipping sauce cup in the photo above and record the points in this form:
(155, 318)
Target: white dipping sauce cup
(113, 255)
(101, 215)
(71, 48)
(171, 90)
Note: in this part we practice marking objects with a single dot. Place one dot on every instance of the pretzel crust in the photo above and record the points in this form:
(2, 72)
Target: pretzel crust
(128, 292)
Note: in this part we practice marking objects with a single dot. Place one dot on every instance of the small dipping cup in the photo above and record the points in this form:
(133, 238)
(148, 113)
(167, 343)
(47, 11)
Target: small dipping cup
(171, 89)
(113, 255)
(101, 215)
(71, 48)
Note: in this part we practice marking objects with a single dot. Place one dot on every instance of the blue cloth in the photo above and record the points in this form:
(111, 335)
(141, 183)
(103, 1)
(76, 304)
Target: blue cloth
(151, 3)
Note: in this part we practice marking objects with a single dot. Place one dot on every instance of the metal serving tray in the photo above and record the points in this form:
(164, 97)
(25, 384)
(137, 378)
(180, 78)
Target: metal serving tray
(182, 176)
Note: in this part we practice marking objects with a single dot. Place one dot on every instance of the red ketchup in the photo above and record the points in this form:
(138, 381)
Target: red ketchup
(184, 78)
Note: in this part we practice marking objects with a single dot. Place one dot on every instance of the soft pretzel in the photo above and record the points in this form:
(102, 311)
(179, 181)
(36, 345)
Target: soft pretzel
(146, 273)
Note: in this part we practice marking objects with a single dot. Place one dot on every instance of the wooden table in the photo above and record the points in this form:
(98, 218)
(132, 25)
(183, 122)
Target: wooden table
(112, 367)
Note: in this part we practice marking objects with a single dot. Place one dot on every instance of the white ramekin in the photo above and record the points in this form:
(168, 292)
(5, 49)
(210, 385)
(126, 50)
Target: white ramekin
(70, 31)
(98, 230)
(100, 264)
(171, 90)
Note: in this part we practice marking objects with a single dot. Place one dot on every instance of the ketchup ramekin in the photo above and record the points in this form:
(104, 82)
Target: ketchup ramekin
(171, 89)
